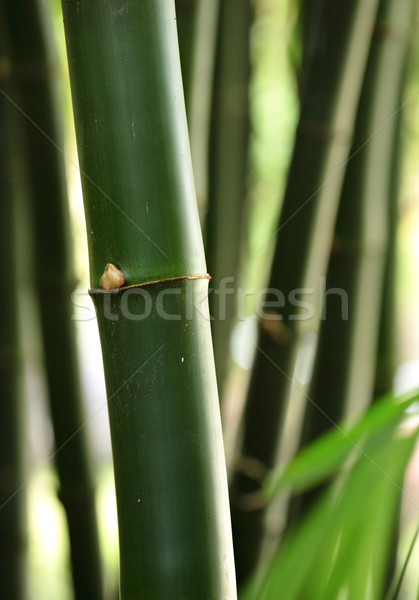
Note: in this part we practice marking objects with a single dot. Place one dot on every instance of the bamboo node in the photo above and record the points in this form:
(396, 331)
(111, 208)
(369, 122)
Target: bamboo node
(5, 69)
(122, 288)
(276, 330)
(320, 132)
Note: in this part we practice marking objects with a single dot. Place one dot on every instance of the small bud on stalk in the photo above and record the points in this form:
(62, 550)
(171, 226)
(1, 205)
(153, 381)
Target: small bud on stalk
(112, 278)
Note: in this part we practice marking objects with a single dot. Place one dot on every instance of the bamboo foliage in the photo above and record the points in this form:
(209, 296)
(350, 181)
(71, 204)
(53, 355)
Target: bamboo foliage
(174, 530)
(54, 280)
(316, 559)
(304, 236)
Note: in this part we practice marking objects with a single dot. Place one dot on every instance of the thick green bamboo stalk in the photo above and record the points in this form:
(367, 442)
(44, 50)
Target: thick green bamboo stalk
(141, 214)
(54, 280)
(228, 166)
(304, 236)
(12, 505)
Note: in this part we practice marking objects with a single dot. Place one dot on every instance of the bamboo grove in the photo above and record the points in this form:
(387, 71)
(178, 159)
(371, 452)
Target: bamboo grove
(300, 494)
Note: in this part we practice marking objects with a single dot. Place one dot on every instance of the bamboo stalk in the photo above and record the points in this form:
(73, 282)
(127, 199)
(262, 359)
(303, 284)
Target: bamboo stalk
(199, 106)
(228, 166)
(12, 505)
(387, 343)
(186, 17)
(343, 376)
(304, 236)
(174, 530)
(309, 23)
(386, 359)
(54, 279)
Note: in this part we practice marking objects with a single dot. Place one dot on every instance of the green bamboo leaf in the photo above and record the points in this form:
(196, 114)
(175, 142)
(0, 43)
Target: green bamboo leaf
(342, 546)
(323, 457)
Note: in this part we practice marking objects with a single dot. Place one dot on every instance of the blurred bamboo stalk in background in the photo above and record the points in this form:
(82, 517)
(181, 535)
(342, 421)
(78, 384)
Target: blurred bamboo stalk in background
(140, 206)
(200, 95)
(54, 281)
(343, 376)
(387, 350)
(228, 173)
(13, 540)
(305, 232)
(309, 25)
(186, 21)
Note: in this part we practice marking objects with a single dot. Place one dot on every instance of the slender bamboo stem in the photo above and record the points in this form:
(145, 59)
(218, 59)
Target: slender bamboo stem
(387, 343)
(199, 106)
(54, 279)
(186, 17)
(228, 166)
(386, 359)
(12, 505)
(304, 236)
(174, 530)
(309, 22)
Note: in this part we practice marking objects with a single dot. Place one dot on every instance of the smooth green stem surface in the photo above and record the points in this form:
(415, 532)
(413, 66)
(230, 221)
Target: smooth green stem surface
(54, 280)
(173, 514)
(303, 241)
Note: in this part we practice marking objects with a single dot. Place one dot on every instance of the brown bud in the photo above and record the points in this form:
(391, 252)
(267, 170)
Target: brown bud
(112, 278)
